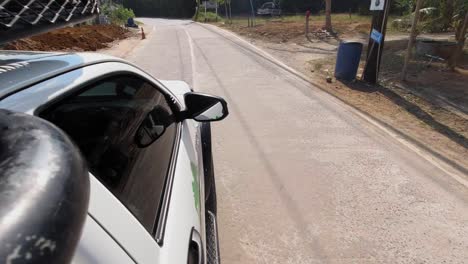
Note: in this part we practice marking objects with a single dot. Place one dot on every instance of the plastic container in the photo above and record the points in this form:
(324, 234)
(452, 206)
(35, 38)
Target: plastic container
(347, 61)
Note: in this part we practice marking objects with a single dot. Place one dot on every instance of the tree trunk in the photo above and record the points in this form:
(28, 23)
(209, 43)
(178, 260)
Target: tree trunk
(328, 20)
(226, 9)
(412, 39)
(447, 13)
(197, 10)
(461, 39)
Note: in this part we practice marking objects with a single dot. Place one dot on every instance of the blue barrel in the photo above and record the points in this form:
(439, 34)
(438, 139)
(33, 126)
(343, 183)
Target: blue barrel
(347, 61)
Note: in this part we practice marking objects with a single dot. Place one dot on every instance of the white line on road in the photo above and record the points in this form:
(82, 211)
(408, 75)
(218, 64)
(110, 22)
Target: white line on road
(192, 58)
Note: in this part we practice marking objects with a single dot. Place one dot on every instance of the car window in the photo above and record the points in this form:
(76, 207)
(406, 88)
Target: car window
(126, 130)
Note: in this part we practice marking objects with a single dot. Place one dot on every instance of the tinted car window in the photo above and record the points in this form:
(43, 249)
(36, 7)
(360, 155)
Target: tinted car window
(126, 130)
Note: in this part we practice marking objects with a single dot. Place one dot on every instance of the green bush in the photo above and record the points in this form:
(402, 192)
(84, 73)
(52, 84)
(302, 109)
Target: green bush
(210, 17)
(117, 13)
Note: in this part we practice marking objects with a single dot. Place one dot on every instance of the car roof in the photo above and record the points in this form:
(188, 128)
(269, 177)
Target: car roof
(20, 69)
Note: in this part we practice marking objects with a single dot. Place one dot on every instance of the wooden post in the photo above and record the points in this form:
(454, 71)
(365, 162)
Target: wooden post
(307, 23)
(412, 39)
(328, 21)
(204, 3)
(253, 13)
(230, 12)
(226, 10)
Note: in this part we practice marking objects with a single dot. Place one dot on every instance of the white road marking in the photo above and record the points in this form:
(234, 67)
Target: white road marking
(192, 58)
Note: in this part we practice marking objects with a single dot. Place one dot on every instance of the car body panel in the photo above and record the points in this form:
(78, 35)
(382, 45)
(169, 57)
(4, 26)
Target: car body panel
(184, 212)
(27, 100)
(95, 237)
(124, 227)
(30, 68)
(185, 203)
(179, 89)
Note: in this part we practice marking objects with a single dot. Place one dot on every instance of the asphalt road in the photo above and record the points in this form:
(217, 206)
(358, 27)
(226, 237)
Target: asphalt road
(301, 178)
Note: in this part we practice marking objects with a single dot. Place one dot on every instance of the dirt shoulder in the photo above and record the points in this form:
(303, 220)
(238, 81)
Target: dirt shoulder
(429, 109)
(78, 38)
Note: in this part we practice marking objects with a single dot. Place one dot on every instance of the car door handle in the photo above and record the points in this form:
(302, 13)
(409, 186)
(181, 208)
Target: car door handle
(196, 252)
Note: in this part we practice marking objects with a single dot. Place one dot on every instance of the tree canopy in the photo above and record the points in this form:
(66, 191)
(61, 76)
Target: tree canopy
(162, 8)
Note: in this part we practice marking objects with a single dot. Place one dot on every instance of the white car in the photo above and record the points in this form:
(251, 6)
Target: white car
(269, 9)
(124, 174)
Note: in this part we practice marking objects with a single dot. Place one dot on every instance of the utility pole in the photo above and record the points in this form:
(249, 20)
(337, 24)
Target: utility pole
(409, 51)
(376, 42)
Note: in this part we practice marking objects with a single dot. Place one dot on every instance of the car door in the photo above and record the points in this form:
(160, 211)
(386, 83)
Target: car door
(126, 128)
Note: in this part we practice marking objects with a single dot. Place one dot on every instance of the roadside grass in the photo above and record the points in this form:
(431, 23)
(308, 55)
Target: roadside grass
(341, 22)
(209, 17)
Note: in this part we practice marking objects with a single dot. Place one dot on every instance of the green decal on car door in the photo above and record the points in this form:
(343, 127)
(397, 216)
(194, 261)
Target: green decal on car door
(195, 186)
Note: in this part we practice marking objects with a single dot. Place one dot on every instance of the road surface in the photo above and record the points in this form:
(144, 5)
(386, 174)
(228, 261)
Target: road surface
(300, 177)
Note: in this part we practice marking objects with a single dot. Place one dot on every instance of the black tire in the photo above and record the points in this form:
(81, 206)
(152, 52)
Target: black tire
(208, 169)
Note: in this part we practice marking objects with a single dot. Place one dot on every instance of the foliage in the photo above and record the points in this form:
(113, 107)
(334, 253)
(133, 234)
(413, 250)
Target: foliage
(117, 13)
(210, 17)
(445, 14)
(162, 8)
(406, 6)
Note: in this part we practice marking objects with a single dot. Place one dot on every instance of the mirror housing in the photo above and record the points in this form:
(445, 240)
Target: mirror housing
(44, 190)
(205, 108)
(153, 127)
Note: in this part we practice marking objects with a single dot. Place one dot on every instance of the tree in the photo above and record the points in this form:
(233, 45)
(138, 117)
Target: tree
(460, 35)
(412, 39)
(447, 10)
(197, 11)
(328, 20)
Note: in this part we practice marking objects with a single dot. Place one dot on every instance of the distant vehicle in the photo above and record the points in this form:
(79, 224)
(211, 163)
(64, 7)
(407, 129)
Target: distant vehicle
(269, 9)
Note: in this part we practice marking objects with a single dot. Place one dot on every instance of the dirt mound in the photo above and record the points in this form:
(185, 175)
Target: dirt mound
(82, 38)
(275, 31)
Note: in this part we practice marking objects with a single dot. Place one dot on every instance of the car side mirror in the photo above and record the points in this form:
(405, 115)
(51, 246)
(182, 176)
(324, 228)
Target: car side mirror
(205, 108)
(153, 127)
